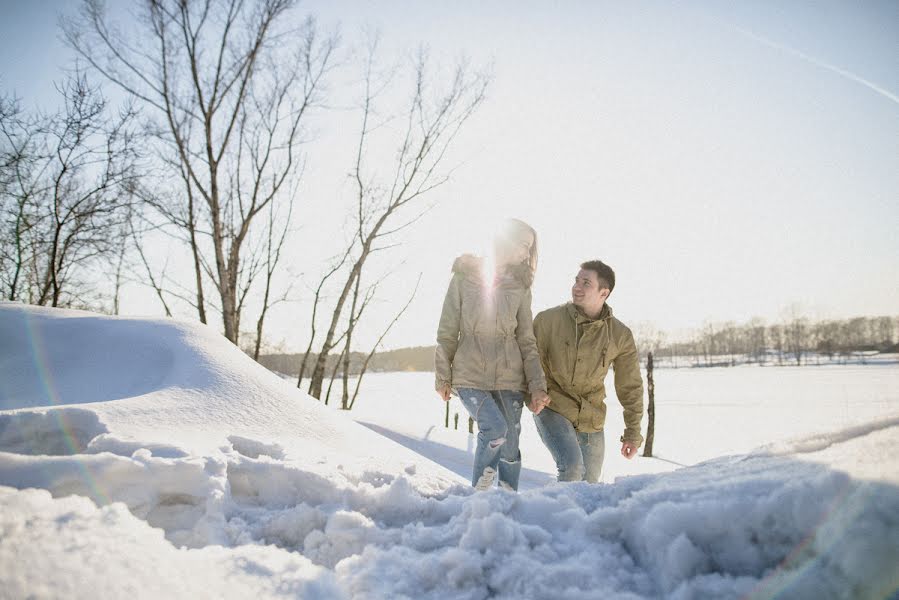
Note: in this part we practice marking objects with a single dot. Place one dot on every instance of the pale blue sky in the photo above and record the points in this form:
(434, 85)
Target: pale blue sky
(727, 159)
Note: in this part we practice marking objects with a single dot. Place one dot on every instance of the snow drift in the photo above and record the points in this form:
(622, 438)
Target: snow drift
(151, 458)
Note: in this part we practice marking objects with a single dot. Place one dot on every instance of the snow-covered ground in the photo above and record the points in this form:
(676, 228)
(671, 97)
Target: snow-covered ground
(150, 458)
(700, 414)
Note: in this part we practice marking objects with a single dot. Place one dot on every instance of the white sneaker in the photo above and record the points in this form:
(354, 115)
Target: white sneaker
(485, 481)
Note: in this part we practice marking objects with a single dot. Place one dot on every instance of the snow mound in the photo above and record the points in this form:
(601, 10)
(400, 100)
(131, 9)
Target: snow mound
(219, 480)
(165, 416)
(172, 387)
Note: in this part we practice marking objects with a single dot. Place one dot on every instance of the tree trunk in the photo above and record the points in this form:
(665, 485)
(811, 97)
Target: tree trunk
(116, 298)
(53, 285)
(261, 321)
(14, 280)
(198, 269)
(318, 292)
(333, 377)
(229, 310)
(318, 372)
(259, 324)
(345, 396)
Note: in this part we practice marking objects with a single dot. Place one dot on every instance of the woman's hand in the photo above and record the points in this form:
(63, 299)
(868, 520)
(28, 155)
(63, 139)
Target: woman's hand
(445, 391)
(539, 400)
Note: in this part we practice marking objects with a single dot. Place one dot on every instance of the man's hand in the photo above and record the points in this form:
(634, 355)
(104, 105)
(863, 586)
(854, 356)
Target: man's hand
(445, 391)
(539, 400)
(629, 450)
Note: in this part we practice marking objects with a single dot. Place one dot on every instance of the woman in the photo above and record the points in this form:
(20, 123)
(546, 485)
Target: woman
(486, 350)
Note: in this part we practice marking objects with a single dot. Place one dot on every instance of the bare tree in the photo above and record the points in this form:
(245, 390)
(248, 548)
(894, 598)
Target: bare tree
(796, 332)
(649, 338)
(334, 370)
(72, 179)
(361, 300)
(17, 163)
(357, 309)
(274, 244)
(229, 85)
(827, 334)
(730, 341)
(795, 335)
(119, 264)
(431, 123)
(756, 338)
(882, 328)
(136, 235)
(776, 337)
(317, 298)
(855, 332)
(708, 342)
(377, 344)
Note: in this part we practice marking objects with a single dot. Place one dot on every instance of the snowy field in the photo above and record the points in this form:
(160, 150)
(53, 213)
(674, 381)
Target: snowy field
(150, 458)
(700, 414)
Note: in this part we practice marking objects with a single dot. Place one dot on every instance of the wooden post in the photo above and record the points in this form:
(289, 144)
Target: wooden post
(651, 411)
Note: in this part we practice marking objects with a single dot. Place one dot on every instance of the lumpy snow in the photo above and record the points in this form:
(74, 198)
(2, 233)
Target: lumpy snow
(151, 458)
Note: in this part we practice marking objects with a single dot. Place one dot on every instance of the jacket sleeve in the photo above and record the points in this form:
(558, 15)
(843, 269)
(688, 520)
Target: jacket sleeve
(543, 336)
(527, 343)
(448, 334)
(629, 388)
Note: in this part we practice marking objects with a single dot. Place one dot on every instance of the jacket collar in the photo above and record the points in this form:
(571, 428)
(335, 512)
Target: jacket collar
(604, 315)
(471, 267)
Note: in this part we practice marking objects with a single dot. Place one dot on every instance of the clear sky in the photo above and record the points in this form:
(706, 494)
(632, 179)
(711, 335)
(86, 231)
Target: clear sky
(727, 159)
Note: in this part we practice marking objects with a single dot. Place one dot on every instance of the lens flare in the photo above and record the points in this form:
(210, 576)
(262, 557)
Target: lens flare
(488, 271)
(43, 366)
(845, 508)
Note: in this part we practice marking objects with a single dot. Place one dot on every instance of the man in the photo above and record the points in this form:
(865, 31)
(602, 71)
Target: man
(578, 341)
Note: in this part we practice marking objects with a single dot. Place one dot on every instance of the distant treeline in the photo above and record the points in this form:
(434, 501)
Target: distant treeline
(420, 358)
(791, 341)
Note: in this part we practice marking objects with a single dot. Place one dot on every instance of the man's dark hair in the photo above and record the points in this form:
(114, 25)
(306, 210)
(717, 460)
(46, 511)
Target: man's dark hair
(604, 273)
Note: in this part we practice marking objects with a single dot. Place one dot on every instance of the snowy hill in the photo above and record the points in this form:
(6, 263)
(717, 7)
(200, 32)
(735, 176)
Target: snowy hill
(151, 458)
(179, 387)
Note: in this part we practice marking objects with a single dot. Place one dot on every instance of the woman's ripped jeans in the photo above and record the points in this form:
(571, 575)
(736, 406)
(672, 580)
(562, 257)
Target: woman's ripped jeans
(498, 415)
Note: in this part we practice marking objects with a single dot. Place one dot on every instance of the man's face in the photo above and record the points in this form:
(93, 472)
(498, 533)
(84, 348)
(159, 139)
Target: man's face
(586, 293)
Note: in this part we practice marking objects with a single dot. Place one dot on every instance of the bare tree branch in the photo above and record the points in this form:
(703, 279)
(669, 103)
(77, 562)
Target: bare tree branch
(381, 339)
(431, 126)
(229, 93)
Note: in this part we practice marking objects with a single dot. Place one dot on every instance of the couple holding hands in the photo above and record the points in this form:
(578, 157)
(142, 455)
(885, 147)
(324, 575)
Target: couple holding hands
(497, 358)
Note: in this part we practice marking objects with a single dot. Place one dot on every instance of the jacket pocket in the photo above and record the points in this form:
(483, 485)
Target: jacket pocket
(468, 365)
(513, 365)
(598, 414)
(602, 358)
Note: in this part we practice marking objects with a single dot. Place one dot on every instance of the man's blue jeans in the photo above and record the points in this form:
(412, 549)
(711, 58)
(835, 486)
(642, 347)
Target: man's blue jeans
(578, 456)
(498, 415)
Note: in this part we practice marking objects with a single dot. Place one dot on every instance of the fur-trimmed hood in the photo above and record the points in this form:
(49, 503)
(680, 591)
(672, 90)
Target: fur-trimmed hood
(472, 267)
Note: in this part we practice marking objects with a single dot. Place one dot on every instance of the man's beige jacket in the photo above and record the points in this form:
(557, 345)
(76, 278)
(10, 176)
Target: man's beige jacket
(576, 353)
